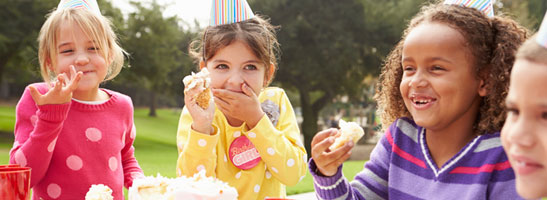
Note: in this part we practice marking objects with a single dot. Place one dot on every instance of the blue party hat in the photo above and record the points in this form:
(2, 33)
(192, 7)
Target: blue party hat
(230, 11)
(485, 6)
(85, 4)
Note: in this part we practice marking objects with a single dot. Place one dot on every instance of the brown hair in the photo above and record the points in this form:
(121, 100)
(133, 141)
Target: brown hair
(492, 43)
(96, 27)
(532, 51)
(256, 32)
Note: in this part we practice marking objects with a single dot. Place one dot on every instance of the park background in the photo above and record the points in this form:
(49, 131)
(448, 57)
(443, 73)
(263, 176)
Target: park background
(331, 55)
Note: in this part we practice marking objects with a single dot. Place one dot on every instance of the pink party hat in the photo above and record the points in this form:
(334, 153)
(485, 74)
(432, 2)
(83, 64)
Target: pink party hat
(541, 37)
(230, 11)
(484, 6)
(85, 4)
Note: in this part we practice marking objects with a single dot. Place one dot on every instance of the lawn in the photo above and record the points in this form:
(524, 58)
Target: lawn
(155, 146)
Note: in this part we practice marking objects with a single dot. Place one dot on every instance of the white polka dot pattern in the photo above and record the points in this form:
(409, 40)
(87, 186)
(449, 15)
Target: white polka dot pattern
(54, 190)
(93, 134)
(200, 167)
(225, 159)
(51, 145)
(290, 162)
(74, 162)
(257, 188)
(202, 142)
(20, 158)
(270, 151)
(252, 135)
(270, 93)
(268, 175)
(237, 134)
(238, 175)
(275, 170)
(113, 163)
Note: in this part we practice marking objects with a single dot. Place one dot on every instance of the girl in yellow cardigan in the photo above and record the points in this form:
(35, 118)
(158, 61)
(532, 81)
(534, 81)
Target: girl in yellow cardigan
(248, 135)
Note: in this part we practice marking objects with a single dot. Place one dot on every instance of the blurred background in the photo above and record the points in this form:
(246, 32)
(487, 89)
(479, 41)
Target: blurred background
(332, 52)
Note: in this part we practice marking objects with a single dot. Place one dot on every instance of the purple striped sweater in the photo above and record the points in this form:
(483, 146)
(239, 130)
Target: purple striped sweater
(401, 167)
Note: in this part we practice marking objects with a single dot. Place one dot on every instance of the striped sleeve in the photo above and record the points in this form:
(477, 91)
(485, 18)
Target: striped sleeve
(370, 183)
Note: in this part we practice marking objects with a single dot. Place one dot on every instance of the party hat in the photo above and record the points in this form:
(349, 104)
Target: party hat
(484, 6)
(541, 37)
(230, 11)
(85, 4)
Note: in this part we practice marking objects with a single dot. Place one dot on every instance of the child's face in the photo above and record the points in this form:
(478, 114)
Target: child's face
(438, 86)
(524, 134)
(234, 65)
(75, 48)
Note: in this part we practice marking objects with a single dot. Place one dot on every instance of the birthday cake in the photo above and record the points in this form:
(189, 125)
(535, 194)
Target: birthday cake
(99, 192)
(198, 187)
(202, 80)
(348, 131)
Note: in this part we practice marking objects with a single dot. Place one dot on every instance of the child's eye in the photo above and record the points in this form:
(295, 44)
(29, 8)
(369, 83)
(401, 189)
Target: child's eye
(250, 67)
(512, 111)
(222, 66)
(408, 68)
(437, 68)
(93, 48)
(66, 51)
(544, 115)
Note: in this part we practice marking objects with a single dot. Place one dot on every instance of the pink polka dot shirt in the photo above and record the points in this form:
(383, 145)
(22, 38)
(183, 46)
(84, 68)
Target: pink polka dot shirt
(74, 145)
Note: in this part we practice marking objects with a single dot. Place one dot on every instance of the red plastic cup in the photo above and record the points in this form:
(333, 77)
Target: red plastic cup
(15, 183)
(10, 166)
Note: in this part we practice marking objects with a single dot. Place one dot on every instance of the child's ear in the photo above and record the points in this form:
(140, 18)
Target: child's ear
(269, 74)
(483, 89)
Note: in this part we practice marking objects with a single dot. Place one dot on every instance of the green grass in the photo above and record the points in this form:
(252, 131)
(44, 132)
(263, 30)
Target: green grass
(155, 145)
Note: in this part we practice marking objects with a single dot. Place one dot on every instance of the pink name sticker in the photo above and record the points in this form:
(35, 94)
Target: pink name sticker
(243, 153)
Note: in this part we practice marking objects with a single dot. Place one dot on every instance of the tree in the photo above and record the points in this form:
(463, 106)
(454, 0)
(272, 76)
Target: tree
(151, 40)
(330, 46)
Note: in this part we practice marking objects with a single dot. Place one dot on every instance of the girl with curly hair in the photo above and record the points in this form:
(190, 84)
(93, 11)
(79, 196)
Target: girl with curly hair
(441, 97)
(524, 134)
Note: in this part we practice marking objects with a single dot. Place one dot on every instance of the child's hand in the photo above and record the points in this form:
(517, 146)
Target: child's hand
(62, 90)
(328, 161)
(202, 118)
(243, 106)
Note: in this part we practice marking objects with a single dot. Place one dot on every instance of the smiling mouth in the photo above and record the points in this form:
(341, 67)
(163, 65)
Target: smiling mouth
(422, 101)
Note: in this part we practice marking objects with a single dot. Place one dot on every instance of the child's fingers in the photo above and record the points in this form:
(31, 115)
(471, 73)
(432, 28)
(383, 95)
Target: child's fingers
(224, 94)
(76, 81)
(336, 163)
(35, 94)
(336, 157)
(247, 90)
(72, 72)
(59, 83)
(322, 135)
(222, 105)
(319, 149)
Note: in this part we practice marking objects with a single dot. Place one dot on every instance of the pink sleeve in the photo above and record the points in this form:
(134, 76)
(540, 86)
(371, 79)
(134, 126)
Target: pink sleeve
(131, 168)
(36, 131)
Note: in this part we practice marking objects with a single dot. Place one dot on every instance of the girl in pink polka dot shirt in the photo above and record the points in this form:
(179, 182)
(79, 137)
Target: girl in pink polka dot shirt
(68, 130)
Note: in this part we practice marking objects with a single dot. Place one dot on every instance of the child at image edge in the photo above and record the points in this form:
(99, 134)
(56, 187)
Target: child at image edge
(524, 134)
(241, 59)
(68, 130)
(441, 97)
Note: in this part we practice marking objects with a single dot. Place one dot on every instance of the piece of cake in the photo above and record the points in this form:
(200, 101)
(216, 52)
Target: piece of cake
(200, 80)
(99, 192)
(198, 187)
(348, 131)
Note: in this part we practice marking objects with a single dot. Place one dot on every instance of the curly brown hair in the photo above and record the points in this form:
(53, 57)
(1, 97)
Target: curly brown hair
(256, 32)
(492, 42)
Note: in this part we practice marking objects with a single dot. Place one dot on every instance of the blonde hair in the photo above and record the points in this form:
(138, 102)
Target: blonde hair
(256, 32)
(532, 51)
(97, 27)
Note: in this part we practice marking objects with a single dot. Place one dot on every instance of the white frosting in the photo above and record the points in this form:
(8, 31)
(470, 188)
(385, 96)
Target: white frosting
(198, 187)
(200, 79)
(99, 192)
(348, 131)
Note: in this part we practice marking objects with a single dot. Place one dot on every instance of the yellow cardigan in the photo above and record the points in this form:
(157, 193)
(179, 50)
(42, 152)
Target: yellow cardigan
(276, 137)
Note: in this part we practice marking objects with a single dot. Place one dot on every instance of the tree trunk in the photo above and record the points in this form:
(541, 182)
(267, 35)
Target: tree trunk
(309, 122)
(152, 112)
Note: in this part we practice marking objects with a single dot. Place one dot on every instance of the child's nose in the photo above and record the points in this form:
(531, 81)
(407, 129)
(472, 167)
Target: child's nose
(418, 80)
(236, 79)
(81, 59)
(520, 132)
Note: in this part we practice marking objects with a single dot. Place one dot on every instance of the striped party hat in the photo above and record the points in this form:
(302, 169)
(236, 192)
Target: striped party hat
(85, 4)
(484, 6)
(541, 37)
(230, 11)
